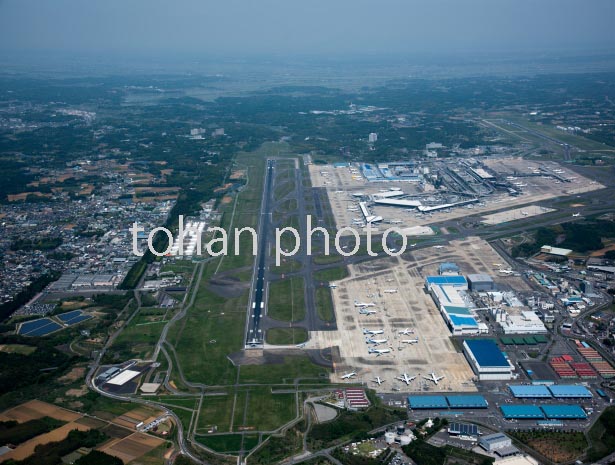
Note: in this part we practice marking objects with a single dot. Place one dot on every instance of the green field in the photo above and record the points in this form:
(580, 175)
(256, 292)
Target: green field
(285, 336)
(139, 338)
(267, 411)
(331, 274)
(221, 442)
(287, 300)
(324, 304)
(216, 411)
(281, 373)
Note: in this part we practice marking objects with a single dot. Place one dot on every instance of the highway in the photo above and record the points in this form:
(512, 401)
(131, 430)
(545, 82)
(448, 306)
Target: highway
(258, 293)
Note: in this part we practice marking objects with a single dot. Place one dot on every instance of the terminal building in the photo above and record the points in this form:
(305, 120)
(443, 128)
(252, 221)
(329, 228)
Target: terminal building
(487, 361)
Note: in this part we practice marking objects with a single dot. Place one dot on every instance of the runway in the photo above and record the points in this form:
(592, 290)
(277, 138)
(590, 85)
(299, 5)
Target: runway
(254, 334)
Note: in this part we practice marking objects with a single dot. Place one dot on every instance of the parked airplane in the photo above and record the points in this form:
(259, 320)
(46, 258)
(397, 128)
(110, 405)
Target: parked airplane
(376, 342)
(364, 304)
(352, 374)
(433, 378)
(378, 352)
(410, 341)
(365, 311)
(373, 332)
(576, 214)
(407, 331)
(378, 380)
(405, 378)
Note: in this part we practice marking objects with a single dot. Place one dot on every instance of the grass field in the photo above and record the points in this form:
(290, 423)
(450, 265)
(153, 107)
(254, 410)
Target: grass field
(281, 373)
(221, 442)
(287, 300)
(139, 338)
(216, 411)
(324, 304)
(267, 411)
(331, 274)
(285, 336)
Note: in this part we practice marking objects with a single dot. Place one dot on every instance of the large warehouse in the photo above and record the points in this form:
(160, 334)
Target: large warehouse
(486, 359)
(481, 282)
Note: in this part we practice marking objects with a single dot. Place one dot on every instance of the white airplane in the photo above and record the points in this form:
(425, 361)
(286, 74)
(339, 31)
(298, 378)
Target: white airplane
(390, 291)
(352, 374)
(407, 331)
(364, 304)
(376, 342)
(373, 332)
(438, 246)
(405, 378)
(576, 214)
(410, 341)
(378, 352)
(365, 311)
(377, 380)
(433, 378)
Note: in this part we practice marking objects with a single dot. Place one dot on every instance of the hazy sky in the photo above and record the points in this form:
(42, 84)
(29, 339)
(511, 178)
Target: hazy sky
(244, 27)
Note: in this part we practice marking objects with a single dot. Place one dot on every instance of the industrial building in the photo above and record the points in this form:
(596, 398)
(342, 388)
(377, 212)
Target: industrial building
(486, 359)
(467, 401)
(558, 252)
(564, 412)
(481, 282)
(522, 412)
(570, 391)
(463, 429)
(448, 269)
(447, 293)
(444, 402)
(427, 402)
(499, 444)
(519, 322)
(530, 392)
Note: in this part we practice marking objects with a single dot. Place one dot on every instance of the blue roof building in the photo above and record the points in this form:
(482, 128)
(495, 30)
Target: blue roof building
(486, 359)
(522, 412)
(561, 412)
(523, 391)
(427, 402)
(448, 268)
(467, 401)
(457, 281)
(570, 391)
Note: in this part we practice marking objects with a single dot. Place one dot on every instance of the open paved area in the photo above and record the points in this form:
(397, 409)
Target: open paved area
(395, 287)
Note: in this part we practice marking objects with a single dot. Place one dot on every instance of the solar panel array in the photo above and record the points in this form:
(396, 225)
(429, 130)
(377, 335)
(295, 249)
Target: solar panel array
(74, 317)
(40, 327)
